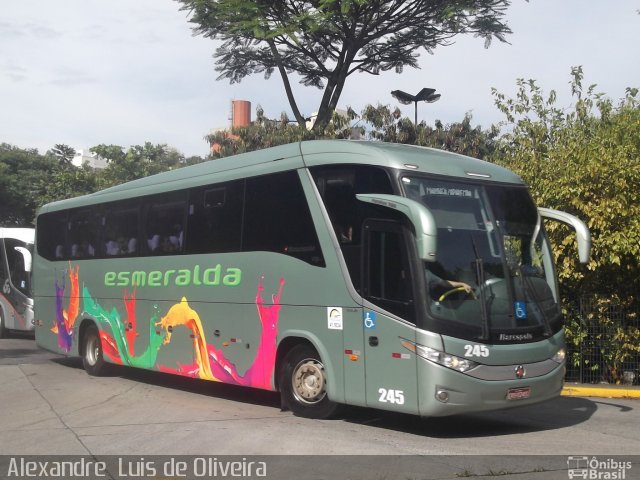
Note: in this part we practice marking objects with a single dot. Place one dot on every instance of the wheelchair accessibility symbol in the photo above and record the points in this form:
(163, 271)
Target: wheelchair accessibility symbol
(370, 320)
(521, 310)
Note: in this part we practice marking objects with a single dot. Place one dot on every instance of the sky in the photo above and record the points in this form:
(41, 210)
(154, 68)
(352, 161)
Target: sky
(124, 72)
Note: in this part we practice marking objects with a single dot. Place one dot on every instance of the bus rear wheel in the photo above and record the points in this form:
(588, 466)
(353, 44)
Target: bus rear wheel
(92, 355)
(303, 384)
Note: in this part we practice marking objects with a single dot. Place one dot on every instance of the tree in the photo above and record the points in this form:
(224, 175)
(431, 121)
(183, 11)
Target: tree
(29, 180)
(326, 41)
(23, 176)
(67, 183)
(265, 132)
(459, 137)
(64, 153)
(261, 134)
(586, 160)
(137, 162)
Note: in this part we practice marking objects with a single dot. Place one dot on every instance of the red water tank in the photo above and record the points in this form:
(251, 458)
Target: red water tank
(240, 113)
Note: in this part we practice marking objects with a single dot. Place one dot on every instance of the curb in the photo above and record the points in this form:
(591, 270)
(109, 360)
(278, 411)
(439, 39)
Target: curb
(596, 391)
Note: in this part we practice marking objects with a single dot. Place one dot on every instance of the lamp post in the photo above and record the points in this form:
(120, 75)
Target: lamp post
(428, 95)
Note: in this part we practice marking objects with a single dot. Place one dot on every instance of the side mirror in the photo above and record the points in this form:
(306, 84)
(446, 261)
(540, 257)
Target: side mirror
(419, 215)
(582, 231)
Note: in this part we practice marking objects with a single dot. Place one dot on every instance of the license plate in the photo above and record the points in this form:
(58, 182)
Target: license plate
(518, 393)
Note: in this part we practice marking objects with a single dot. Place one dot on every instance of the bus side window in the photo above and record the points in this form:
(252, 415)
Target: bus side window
(82, 234)
(338, 186)
(277, 218)
(215, 218)
(52, 232)
(387, 280)
(164, 224)
(120, 233)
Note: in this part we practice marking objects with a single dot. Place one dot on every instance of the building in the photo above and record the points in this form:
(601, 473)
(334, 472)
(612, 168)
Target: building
(85, 156)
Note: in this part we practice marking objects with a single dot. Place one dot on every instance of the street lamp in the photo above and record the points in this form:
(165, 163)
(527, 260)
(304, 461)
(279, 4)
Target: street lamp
(428, 95)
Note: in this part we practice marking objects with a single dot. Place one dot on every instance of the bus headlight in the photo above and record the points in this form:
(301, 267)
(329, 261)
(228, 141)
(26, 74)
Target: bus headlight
(441, 358)
(560, 356)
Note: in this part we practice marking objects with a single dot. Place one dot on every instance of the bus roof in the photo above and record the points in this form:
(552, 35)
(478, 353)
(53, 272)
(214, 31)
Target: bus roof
(24, 234)
(298, 155)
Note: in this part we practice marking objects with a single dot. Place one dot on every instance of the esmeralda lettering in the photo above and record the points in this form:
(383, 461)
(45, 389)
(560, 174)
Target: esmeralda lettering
(197, 276)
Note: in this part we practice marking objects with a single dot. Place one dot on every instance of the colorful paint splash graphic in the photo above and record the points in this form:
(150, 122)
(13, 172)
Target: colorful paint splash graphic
(65, 319)
(118, 335)
(120, 346)
(211, 363)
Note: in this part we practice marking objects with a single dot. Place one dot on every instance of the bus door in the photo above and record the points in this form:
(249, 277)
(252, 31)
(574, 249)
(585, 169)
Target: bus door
(388, 316)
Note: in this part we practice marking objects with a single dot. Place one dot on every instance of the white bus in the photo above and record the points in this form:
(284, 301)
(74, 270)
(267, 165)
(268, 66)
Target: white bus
(16, 302)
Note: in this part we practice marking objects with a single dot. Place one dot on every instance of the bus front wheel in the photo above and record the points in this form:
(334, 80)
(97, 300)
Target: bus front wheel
(92, 355)
(303, 384)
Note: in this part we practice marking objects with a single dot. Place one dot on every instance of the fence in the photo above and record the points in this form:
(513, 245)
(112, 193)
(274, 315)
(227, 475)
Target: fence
(603, 341)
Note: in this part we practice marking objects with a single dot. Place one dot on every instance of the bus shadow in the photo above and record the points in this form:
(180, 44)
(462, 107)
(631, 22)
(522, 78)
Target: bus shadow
(18, 352)
(19, 335)
(196, 386)
(560, 413)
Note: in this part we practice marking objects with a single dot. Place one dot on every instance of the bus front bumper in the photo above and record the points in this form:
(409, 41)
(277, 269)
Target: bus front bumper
(447, 392)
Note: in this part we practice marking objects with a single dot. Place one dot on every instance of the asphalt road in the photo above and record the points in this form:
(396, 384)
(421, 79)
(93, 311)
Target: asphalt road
(50, 406)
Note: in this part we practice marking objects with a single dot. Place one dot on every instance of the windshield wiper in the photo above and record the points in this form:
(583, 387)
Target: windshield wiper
(480, 278)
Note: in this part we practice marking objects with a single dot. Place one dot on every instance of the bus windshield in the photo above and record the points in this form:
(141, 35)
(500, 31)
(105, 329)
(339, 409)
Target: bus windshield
(19, 256)
(493, 276)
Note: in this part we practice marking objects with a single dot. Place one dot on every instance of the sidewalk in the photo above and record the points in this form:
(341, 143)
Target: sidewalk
(600, 390)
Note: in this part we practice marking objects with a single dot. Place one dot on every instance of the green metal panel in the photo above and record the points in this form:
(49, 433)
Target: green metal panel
(507, 354)
(421, 159)
(347, 361)
(239, 306)
(467, 394)
(392, 382)
(353, 358)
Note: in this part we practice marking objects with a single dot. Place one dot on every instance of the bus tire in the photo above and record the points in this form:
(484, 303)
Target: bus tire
(92, 355)
(303, 384)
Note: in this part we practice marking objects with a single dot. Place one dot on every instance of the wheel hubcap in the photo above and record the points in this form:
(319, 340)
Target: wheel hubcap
(93, 351)
(308, 381)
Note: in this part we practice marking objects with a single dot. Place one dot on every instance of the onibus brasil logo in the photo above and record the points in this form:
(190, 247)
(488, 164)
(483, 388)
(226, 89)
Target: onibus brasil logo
(597, 469)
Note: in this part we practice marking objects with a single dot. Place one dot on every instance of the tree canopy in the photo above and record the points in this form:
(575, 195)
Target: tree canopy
(326, 41)
(389, 126)
(63, 152)
(584, 160)
(22, 180)
(28, 180)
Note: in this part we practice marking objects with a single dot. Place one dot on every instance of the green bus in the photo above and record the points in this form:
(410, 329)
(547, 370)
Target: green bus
(335, 272)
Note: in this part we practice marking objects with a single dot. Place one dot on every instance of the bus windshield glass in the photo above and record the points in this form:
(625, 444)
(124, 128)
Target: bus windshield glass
(493, 277)
(19, 255)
